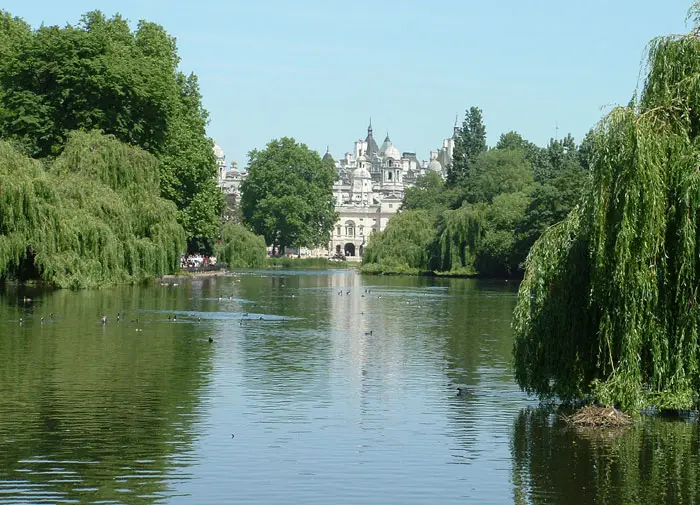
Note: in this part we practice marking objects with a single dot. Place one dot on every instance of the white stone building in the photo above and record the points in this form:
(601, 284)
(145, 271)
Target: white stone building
(368, 192)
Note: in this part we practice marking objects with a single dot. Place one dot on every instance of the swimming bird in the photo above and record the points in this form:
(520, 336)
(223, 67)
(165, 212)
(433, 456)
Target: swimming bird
(119, 316)
(43, 319)
(103, 319)
(369, 332)
(211, 340)
(464, 392)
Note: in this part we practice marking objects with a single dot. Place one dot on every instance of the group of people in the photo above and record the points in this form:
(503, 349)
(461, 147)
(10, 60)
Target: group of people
(197, 261)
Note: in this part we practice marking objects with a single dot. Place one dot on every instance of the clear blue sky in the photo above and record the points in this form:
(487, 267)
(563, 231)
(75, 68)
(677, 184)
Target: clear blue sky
(318, 69)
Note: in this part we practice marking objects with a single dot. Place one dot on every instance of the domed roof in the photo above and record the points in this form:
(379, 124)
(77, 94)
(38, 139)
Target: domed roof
(218, 152)
(389, 150)
(361, 173)
(435, 165)
(392, 152)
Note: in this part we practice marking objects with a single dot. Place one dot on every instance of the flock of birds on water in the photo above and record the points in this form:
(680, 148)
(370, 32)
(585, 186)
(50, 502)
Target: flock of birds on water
(462, 392)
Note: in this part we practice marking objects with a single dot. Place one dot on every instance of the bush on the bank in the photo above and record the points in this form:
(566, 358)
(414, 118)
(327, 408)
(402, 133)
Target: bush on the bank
(93, 218)
(403, 246)
(240, 248)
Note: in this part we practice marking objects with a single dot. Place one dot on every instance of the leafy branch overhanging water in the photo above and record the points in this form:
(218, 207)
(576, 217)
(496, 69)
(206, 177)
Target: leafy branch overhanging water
(93, 217)
(608, 309)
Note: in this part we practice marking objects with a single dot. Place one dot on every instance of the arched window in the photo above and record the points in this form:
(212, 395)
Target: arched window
(389, 174)
(350, 228)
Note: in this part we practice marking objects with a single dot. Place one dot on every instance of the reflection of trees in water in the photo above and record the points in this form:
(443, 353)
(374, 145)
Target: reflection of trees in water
(84, 405)
(653, 462)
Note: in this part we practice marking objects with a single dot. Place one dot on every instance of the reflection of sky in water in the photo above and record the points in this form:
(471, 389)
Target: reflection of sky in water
(345, 392)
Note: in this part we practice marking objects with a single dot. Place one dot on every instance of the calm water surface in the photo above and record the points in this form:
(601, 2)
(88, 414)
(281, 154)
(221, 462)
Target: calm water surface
(318, 387)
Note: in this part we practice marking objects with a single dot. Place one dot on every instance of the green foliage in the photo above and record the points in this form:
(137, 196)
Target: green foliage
(240, 248)
(99, 75)
(469, 143)
(94, 218)
(288, 195)
(496, 172)
(608, 306)
(429, 193)
(403, 246)
(486, 224)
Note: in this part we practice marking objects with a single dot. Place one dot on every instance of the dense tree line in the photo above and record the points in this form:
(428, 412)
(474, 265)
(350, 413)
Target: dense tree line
(483, 219)
(101, 75)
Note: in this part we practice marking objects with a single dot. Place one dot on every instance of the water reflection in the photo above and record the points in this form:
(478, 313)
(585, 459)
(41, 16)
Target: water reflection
(335, 387)
(91, 411)
(653, 462)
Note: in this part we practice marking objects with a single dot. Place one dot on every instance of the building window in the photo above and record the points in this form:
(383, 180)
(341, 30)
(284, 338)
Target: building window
(350, 229)
(391, 205)
(362, 230)
(338, 230)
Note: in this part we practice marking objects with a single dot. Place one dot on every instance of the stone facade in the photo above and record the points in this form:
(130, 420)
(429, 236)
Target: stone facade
(368, 192)
(370, 189)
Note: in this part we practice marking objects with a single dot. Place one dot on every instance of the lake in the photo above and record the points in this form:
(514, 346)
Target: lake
(318, 387)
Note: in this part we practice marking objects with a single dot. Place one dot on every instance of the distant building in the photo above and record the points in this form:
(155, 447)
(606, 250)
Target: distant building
(220, 162)
(370, 188)
(230, 184)
(368, 192)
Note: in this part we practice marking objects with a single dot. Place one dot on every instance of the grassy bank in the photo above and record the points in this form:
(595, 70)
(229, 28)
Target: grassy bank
(311, 263)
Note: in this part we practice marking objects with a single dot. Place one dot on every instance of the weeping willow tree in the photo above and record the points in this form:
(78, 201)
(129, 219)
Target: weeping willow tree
(459, 233)
(240, 248)
(608, 309)
(93, 218)
(403, 247)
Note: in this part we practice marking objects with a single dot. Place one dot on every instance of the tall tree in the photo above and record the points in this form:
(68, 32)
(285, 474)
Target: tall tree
(469, 143)
(99, 75)
(288, 195)
(608, 309)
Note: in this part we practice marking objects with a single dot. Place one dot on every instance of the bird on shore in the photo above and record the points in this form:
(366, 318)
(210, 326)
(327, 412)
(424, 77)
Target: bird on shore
(21, 321)
(119, 316)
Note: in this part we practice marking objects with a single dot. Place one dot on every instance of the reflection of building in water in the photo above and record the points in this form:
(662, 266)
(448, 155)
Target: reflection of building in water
(370, 188)
(375, 362)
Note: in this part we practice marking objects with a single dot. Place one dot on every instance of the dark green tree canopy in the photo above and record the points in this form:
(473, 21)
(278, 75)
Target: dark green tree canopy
(288, 195)
(99, 75)
(470, 142)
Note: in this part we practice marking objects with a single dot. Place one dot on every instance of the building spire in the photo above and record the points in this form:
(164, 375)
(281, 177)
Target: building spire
(369, 128)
